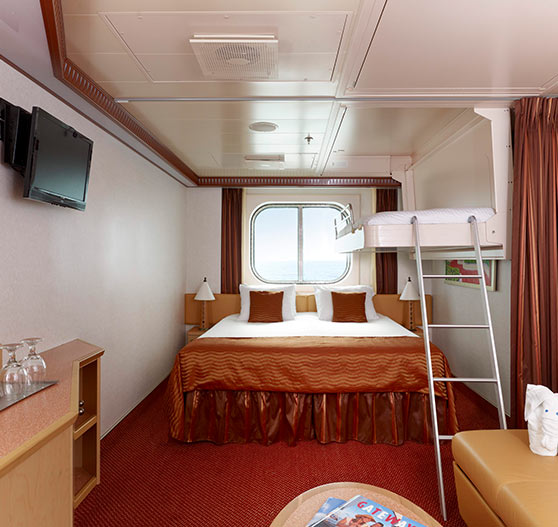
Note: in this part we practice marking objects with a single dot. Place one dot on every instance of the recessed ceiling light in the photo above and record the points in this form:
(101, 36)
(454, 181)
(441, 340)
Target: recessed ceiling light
(263, 126)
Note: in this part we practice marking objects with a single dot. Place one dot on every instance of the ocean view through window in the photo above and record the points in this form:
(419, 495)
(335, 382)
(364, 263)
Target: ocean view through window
(293, 243)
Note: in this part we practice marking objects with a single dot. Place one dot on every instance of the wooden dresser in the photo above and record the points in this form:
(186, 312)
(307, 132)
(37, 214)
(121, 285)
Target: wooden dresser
(49, 449)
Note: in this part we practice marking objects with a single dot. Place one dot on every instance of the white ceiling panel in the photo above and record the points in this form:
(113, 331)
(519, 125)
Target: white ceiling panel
(185, 68)
(371, 131)
(94, 6)
(146, 88)
(292, 162)
(202, 133)
(438, 47)
(90, 34)
(273, 139)
(308, 42)
(108, 66)
(246, 111)
(286, 128)
(163, 32)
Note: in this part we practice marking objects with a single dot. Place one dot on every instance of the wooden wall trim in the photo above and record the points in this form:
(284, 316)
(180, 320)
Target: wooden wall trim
(257, 181)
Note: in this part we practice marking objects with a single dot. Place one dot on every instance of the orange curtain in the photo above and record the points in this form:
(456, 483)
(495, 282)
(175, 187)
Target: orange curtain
(386, 263)
(534, 280)
(231, 240)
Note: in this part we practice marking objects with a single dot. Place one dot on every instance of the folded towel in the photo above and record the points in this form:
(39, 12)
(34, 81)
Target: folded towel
(541, 414)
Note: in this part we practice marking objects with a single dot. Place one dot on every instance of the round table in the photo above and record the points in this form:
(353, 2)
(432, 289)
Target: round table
(301, 509)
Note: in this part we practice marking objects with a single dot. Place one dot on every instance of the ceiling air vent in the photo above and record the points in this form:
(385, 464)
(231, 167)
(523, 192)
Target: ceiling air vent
(265, 161)
(237, 57)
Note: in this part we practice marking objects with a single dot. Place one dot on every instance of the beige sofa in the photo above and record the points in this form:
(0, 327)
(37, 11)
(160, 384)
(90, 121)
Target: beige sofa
(501, 483)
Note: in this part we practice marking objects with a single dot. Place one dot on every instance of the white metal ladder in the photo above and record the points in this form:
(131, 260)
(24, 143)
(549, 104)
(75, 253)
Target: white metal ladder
(495, 379)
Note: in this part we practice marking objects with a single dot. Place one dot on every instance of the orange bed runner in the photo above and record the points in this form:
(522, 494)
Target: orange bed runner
(303, 364)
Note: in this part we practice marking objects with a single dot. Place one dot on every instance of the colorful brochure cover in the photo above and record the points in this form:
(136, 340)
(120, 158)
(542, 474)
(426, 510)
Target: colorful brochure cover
(325, 509)
(362, 512)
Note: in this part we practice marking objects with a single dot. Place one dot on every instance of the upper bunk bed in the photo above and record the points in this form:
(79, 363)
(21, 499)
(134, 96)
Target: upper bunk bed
(468, 172)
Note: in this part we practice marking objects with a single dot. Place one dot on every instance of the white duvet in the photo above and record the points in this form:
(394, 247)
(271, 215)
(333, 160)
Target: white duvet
(429, 216)
(306, 325)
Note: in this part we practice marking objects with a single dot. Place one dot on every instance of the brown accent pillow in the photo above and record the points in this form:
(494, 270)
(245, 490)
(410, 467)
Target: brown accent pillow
(266, 306)
(348, 307)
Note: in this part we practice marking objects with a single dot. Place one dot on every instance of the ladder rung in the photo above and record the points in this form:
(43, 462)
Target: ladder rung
(452, 276)
(460, 326)
(445, 438)
(464, 379)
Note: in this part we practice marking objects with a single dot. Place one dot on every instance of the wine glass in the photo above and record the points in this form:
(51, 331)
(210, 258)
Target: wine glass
(13, 376)
(34, 364)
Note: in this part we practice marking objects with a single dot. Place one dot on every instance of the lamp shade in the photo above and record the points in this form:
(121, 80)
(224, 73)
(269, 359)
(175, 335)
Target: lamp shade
(204, 292)
(409, 292)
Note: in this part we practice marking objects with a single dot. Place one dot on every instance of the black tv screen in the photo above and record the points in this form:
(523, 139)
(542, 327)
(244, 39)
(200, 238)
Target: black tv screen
(58, 162)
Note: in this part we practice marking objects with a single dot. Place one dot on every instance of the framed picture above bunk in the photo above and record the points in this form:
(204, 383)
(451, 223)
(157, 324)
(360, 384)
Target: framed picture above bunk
(469, 267)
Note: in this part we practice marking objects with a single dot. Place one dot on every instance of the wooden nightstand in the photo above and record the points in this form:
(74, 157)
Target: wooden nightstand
(194, 333)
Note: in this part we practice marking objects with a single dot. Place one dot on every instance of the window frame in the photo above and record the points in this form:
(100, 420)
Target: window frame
(300, 205)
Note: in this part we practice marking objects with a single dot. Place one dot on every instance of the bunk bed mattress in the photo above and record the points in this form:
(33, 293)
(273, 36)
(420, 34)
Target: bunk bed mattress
(268, 389)
(429, 216)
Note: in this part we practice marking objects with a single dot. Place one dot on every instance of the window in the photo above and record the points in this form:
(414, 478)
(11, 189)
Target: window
(294, 243)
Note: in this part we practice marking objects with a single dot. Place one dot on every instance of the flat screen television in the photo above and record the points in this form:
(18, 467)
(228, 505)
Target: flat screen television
(58, 162)
(15, 135)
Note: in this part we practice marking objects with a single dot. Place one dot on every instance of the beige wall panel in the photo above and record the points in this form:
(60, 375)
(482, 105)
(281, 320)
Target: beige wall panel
(203, 234)
(467, 351)
(459, 175)
(113, 275)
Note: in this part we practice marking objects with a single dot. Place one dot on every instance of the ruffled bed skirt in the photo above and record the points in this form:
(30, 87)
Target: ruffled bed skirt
(223, 416)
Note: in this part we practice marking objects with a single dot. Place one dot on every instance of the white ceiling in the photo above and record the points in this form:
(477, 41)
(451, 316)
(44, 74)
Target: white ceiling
(392, 72)
(441, 47)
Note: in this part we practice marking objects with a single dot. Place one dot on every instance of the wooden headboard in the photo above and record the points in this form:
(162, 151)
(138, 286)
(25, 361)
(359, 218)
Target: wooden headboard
(227, 304)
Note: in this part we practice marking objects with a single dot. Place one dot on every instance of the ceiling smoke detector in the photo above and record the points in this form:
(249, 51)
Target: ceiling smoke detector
(237, 57)
(263, 126)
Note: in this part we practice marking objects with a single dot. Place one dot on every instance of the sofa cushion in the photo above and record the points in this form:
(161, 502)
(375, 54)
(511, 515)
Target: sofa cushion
(514, 482)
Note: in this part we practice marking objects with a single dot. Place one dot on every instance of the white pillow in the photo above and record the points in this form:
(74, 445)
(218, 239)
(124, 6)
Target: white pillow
(324, 304)
(289, 299)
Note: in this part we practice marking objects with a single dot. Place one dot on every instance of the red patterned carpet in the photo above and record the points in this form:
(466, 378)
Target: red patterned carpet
(148, 480)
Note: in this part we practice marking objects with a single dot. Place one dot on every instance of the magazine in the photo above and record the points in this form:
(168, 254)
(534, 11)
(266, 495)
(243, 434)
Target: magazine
(362, 512)
(325, 509)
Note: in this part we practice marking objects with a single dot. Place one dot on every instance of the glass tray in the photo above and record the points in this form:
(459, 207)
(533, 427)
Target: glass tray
(34, 387)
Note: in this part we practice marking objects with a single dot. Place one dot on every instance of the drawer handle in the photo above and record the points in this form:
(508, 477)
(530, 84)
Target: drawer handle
(81, 411)
(81, 403)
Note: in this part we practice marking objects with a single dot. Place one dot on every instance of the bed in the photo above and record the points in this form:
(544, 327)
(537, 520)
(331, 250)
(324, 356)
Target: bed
(305, 379)
(440, 230)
